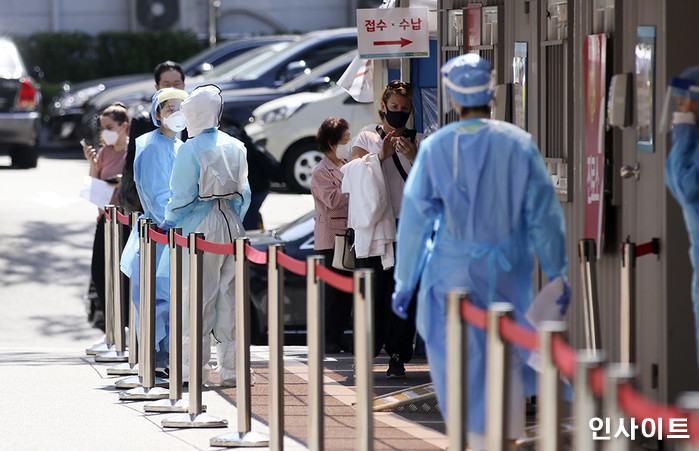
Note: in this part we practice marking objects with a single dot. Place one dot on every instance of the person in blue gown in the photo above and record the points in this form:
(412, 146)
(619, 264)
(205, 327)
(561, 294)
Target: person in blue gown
(153, 162)
(682, 171)
(210, 195)
(477, 205)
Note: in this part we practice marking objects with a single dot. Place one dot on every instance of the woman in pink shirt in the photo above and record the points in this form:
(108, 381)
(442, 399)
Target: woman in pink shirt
(106, 164)
(331, 219)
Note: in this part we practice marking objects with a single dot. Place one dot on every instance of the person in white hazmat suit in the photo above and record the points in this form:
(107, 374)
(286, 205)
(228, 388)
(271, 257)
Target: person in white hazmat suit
(477, 204)
(210, 194)
(155, 156)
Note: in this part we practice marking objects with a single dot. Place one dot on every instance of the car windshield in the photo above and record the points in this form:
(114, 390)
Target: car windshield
(10, 64)
(248, 65)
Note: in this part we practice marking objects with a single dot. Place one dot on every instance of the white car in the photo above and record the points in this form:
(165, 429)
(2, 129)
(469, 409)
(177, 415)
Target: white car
(287, 128)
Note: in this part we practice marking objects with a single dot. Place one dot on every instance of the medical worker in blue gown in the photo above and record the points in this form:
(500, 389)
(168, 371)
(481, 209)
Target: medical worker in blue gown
(682, 168)
(155, 156)
(477, 205)
(211, 194)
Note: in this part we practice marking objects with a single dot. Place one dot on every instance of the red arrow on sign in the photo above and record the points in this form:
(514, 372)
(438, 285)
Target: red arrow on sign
(403, 42)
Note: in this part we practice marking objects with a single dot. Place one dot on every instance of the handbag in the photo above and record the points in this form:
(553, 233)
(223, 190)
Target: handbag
(343, 255)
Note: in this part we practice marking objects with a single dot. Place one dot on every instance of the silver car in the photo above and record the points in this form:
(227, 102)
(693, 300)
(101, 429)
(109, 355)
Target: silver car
(20, 108)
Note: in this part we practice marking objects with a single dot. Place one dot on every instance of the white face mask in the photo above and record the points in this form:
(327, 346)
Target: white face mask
(343, 151)
(175, 121)
(110, 137)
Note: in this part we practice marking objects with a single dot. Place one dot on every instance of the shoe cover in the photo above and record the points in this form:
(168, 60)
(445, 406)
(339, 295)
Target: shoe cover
(205, 354)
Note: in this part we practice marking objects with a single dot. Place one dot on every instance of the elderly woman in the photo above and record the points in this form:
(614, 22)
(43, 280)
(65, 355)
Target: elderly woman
(331, 219)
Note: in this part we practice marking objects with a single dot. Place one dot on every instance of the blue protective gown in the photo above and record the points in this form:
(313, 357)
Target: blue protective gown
(210, 194)
(482, 188)
(682, 179)
(155, 156)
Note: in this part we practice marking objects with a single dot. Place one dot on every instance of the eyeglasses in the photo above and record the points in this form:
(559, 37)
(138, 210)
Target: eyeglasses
(400, 84)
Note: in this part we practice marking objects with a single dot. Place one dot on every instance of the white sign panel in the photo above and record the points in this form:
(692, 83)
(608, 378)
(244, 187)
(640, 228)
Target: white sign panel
(393, 33)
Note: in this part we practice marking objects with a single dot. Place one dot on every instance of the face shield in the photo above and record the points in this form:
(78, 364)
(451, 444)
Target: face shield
(681, 96)
(163, 96)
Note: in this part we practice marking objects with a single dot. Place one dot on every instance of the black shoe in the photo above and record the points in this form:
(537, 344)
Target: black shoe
(163, 373)
(396, 370)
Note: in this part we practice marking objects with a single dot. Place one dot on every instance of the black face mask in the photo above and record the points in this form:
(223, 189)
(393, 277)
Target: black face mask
(397, 119)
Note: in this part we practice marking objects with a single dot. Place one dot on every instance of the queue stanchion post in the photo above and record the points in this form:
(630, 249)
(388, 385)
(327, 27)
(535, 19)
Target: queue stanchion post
(275, 311)
(617, 374)
(497, 370)
(137, 381)
(152, 386)
(627, 309)
(457, 346)
(175, 403)
(119, 354)
(131, 366)
(549, 399)
(314, 326)
(244, 437)
(689, 402)
(108, 343)
(195, 418)
(587, 250)
(364, 356)
(584, 404)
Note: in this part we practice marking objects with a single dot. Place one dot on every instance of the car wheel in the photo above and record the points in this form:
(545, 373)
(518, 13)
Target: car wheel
(298, 164)
(24, 156)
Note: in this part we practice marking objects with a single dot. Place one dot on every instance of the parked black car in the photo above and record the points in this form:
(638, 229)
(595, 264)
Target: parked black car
(20, 107)
(270, 66)
(297, 238)
(66, 124)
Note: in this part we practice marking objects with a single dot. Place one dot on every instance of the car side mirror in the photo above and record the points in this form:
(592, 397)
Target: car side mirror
(294, 69)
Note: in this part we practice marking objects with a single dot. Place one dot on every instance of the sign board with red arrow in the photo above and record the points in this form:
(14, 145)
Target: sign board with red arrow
(393, 33)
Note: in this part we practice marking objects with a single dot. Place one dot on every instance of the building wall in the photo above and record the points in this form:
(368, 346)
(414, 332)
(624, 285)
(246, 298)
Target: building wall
(235, 18)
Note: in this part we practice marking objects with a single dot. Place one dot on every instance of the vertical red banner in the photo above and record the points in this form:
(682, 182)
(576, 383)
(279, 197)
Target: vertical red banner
(473, 26)
(595, 70)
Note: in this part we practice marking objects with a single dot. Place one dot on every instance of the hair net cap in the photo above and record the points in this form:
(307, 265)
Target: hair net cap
(469, 79)
(164, 95)
(202, 109)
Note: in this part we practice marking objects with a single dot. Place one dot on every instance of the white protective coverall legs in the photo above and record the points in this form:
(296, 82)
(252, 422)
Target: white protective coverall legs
(218, 297)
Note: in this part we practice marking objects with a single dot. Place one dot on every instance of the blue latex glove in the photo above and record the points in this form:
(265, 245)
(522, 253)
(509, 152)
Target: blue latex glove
(400, 301)
(564, 300)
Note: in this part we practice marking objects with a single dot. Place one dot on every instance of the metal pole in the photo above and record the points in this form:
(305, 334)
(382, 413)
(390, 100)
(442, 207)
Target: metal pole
(588, 257)
(119, 354)
(195, 418)
(243, 437)
(627, 327)
(496, 374)
(130, 367)
(134, 382)
(584, 399)
(108, 294)
(364, 356)
(549, 389)
(152, 387)
(457, 347)
(689, 402)
(174, 403)
(275, 312)
(314, 325)
(617, 374)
